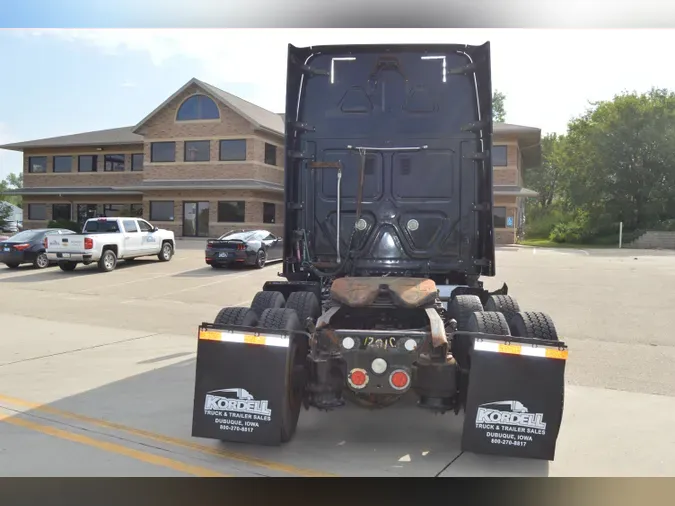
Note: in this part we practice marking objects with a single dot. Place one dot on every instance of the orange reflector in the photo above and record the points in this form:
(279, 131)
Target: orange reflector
(249, 339)
(559, 354)
(209, 335)
(511, 349)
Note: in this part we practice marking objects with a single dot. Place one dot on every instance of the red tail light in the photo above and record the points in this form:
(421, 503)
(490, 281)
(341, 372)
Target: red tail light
(241, 246)
(88, 243)
(358, 378)
(399, 379)
(44, 243)
(21, 247)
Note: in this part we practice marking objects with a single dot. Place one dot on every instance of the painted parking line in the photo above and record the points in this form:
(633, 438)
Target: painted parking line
(218, 452)
(148, 458)
(138, 280)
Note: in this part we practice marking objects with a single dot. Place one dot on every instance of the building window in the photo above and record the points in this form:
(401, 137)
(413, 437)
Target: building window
(232, 150)
(197, 151)
(61, 212)
(114, 210)
(269, 212)
(137, 162)
(198, 107)
(37, 164)
(161, 210)
(113, 163)
(37, 211)
(63, 163)
(136, 210)
(86, 211)
(87, 163)
(499, 156)
(499, 217)
(163, 152)
(270, 154)
(232, 211)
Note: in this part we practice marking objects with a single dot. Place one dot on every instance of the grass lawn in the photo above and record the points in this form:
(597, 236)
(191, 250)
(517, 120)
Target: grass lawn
(545, 243)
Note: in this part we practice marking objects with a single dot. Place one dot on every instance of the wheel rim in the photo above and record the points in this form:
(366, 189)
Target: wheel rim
(42, 260)
(108, 262)
(261, 258)
(167, 251)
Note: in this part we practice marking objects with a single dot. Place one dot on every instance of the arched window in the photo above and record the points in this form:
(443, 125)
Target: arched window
(197, 107)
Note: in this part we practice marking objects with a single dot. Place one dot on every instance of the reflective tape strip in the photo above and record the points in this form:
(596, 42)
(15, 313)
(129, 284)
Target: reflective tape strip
(521, 349)
(230, 337)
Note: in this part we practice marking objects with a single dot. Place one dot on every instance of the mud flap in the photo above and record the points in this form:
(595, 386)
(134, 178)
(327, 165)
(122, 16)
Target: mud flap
(239, 384)
(515, 397)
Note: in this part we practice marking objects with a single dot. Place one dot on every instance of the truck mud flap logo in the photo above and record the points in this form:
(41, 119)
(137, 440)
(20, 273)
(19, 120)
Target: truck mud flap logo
(234, 409)
(511, 413)
(509, 423)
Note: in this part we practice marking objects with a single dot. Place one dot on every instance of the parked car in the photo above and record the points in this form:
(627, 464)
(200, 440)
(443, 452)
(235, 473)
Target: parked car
(244, 247)
(106, 240)
(28, 247)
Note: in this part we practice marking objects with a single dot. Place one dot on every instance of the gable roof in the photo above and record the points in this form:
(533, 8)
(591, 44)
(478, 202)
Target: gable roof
(261, 118)
(109, 137)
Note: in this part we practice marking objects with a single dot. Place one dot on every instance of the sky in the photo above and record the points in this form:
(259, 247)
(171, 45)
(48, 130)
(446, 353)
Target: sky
(62, 81)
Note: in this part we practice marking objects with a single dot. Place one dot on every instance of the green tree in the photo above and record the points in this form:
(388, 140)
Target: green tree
(11, 182)
(620, 161)
(5, 213)
(498, 109)
(545, 179)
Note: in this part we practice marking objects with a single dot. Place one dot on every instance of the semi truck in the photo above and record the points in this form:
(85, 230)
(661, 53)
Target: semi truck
(388, 234)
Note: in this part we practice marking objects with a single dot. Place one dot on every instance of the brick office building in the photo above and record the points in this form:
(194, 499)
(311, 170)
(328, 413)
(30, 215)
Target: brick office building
(205, 162)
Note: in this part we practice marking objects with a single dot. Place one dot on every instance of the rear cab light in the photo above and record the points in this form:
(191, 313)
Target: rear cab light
(88, 243)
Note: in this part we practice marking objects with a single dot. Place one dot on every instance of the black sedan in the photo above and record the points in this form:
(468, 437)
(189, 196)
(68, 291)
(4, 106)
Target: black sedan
(244, 247)
(28, 247)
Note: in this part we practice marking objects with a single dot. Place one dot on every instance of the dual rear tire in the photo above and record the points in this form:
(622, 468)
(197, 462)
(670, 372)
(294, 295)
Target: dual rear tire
(271, 310)
(501, 316)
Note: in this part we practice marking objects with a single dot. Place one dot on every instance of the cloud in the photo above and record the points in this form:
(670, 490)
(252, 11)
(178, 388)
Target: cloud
(548, 76)
(128, 84)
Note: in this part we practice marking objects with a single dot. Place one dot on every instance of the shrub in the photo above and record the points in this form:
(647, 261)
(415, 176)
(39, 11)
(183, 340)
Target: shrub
(575, 230)
(539, 223)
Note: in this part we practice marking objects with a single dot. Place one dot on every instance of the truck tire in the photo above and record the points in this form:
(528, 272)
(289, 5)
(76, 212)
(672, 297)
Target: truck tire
(462, 307)
(488, 322)
(166, 253)
(305, 304)
(67, 266)
(504, 304)
(108, 261)
(287, 319)
(236, 316)
(533, 324)
(267, 300)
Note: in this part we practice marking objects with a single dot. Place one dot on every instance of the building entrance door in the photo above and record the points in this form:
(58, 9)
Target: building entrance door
(195, 219)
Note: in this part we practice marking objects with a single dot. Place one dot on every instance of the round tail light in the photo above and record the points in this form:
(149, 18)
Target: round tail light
(399, 379)
(358, 378)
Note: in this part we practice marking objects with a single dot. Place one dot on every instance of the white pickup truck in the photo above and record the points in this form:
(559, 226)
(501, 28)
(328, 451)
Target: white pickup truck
(106, 240)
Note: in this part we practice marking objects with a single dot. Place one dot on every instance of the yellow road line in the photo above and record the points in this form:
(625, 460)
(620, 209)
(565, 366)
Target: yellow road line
(218, 452)
(148, 458)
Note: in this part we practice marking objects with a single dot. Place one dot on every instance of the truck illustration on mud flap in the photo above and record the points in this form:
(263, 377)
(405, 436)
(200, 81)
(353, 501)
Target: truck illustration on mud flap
(240, 393)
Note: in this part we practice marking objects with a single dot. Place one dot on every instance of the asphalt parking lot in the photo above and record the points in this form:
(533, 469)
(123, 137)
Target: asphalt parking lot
(96, 375)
